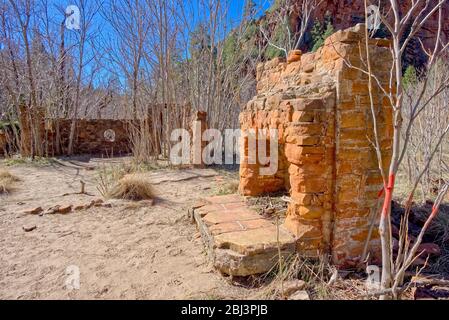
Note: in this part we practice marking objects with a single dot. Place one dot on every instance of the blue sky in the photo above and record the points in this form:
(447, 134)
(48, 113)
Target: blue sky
(105, 31)
(235, 6)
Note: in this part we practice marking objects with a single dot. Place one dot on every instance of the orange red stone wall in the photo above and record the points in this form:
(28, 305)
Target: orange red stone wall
(321, 108)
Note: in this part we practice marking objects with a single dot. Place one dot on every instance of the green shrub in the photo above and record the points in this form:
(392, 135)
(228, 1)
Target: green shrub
(230, 49)
(277, 38)
(410, 77)
(319, 34)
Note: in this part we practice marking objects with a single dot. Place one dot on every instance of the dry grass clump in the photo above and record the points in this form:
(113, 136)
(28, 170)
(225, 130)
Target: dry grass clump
(315, 273)
(438, 233)
(132, 187)
(125, 182)
(322, 281)
(7, 181)
(228, 188)
(108, 177)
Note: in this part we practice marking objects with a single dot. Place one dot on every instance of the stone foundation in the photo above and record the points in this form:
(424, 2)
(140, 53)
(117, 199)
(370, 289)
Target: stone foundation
(321, 108)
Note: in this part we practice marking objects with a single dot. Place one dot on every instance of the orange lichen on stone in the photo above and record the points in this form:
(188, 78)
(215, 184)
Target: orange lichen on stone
(322, 109)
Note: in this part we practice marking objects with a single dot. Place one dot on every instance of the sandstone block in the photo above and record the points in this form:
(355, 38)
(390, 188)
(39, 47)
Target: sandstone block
(304, 129)
(353, 120)
(303, 116)
(302, 228)
(239, 225)
(303, 155)
(29, 228)
(311, 185)
(226, 199)
(292, 286)
(359, 87)
(299, 295)
(236, 264)
(217, 217)
(254, 241)
(64, 209)
(294, 56)
(34, 211)
(308, 170)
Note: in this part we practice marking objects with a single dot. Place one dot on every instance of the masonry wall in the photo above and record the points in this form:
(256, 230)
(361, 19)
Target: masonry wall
(322, 110)
(90, 137)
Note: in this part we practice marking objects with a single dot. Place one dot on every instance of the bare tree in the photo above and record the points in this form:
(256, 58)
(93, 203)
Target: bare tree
(393, 270)
(426, 132)
(33, 115)
(220, 73)
(294, 38)
(11, 75)
(88, 13)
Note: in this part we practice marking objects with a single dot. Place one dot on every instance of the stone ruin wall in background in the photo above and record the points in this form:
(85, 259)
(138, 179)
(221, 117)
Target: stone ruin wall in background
(321, 108)
(90, 137)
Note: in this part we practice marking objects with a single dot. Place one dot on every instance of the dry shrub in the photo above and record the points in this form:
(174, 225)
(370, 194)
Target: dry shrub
(108, 177)
(7, 181)
(132, 187)
(438, 233)
(314, 272)
(317, 274)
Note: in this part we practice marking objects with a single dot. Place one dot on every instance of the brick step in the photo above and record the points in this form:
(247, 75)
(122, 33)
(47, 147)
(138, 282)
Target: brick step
(238, 240)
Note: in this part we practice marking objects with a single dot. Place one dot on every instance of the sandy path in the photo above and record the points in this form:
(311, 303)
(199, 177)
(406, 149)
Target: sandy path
(123, 252)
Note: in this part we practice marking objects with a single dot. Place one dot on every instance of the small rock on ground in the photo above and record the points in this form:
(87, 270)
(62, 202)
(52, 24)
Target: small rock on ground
(300, 295)
(293, 286)
(33, 210)
(52, 210)
(29, 228)
(429, 249)
(64, 209)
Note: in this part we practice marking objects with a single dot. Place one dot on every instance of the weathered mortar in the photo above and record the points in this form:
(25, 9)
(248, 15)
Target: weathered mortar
(321, 108)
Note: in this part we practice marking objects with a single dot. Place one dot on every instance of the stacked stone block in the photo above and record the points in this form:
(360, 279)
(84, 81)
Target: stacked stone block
(321, 107)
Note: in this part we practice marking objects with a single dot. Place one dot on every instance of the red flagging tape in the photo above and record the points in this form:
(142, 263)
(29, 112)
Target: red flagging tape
(388, 194)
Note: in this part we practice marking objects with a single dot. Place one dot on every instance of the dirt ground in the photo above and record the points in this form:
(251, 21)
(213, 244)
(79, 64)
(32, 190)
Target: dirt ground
(126, 251)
